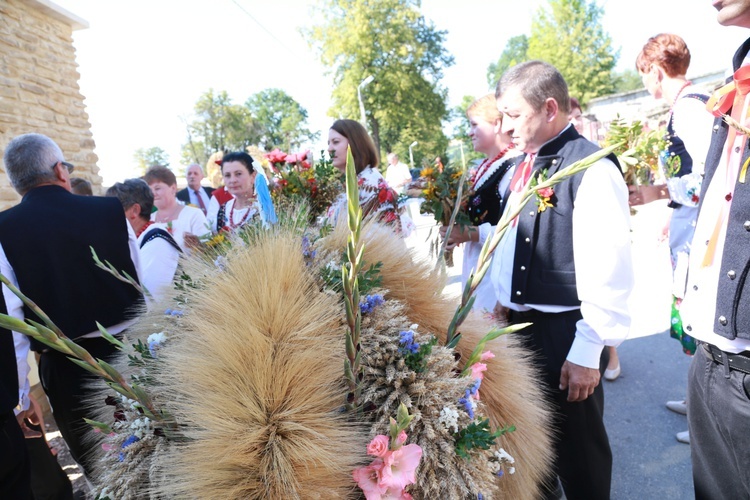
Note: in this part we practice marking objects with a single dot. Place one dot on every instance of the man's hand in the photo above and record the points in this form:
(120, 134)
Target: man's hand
(31, 416)
(458, 235)
(578, 380)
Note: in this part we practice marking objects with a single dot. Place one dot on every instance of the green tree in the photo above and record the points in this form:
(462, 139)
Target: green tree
(516, 50)
(281, 119)
(393, 42)
(569, 34)
(627, 80)
(219, 125)
(145, 158)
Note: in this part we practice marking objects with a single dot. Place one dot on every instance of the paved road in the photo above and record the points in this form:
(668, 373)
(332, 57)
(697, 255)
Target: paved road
(648, 460)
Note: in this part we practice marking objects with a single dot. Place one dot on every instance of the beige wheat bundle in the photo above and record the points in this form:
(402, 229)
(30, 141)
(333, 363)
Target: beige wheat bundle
(510, 389)
(257, 379)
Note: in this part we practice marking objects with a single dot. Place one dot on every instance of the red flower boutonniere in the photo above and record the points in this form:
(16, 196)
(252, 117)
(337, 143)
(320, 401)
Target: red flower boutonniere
(544, 196)
(384, 192)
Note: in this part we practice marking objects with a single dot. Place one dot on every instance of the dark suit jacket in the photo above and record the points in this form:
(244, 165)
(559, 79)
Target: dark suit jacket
(184, 195)
(47, 238)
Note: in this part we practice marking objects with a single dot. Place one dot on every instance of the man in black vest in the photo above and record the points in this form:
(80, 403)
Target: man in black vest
(195, 194)
(716, 308)
(564, 265)
(45, 250)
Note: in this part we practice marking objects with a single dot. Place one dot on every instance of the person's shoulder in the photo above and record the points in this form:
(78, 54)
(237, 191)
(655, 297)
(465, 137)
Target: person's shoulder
(191, 212)
(209, 190)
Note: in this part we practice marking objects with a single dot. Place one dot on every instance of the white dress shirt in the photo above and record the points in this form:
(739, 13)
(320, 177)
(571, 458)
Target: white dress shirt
(194, 198)
(603, 263)
(698, 308)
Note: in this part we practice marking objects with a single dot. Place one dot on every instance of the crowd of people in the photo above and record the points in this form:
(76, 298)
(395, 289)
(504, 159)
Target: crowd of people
(564, 266)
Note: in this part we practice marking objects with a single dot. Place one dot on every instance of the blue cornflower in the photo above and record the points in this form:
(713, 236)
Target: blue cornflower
(307, 252)
(130, 440)
(500, 473)
(152, 348)
(370, 302)
(466, 401)
(480, 496)
(408, 346)
(168, 312)
(475, 388)
(121, 457)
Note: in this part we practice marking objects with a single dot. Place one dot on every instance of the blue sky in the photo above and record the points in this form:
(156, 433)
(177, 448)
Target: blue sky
(143, 64)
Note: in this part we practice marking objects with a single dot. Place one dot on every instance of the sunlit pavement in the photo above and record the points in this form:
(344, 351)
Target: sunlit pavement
(648, 460)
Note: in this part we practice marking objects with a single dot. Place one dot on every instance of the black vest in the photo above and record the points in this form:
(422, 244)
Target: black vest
(486, 204)
(732, 319)
(47, 240)
(543, 268)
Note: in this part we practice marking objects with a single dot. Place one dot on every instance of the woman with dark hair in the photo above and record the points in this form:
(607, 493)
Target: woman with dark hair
(177, 219)
(250, 196)
(375, 196)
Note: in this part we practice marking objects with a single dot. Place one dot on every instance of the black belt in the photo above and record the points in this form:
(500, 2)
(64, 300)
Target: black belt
(739, 362)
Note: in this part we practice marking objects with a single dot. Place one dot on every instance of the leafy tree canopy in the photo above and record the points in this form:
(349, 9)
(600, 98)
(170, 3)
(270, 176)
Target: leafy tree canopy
(281, 119)
(569, 35)
(391, 41)
(148, 157)
(516, 51)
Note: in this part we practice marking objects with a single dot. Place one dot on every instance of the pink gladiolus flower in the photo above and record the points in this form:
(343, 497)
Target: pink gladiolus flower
(378, 447)
(486, 355)
(367, 478)
(399, 467)
(276, 156)
(477, 371)
(393, 494)
(107, 447)
(401, 439)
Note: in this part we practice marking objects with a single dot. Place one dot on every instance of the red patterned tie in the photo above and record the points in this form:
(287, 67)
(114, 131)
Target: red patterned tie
(521, 177)
(200, 201)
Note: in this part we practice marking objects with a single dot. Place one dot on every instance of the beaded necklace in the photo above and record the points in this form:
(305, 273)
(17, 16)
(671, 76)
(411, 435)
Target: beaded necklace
(244, 218)
(143, 229)
(486, 164)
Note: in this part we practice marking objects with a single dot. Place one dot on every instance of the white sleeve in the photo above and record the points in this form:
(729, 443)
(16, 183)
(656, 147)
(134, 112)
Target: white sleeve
(212, 213)
(135, 253)
(694, 125)
(484, 231)
(159, 259)
(603, 263)
(21, 342)
(199, 225)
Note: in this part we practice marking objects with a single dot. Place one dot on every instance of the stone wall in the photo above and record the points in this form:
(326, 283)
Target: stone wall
(39, 86)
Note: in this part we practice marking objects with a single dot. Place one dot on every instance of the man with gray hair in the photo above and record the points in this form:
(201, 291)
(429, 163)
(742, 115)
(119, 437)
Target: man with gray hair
(159, 252)
(564, 265)
(45, 250)
(195, 194)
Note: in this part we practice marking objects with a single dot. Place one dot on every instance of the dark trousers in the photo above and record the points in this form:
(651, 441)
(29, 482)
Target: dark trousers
(15, 475)
(67, 387)
(583, 458)
(719, 422)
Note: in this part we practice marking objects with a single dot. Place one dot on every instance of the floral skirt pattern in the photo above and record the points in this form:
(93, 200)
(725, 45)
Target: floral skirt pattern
(676, 331)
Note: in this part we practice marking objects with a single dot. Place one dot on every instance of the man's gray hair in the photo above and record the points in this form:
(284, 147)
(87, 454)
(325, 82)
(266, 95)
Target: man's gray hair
(29, 161)
(194, 165)
(538, 81)
(133, 192)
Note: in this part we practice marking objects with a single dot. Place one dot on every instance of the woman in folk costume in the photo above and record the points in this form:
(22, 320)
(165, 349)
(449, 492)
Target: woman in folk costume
(663, 64)
(249, 189)
(375, 196)
(489, 182)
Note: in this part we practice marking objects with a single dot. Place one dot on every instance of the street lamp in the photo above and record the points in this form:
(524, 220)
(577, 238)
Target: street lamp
(411, 156)
(364, 82)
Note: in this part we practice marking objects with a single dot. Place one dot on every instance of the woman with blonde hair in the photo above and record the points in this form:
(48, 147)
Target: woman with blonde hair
(489, 183)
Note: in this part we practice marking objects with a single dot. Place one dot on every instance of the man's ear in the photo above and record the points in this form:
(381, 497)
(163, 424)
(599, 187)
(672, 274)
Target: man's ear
(133, 211)
(551, 109)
